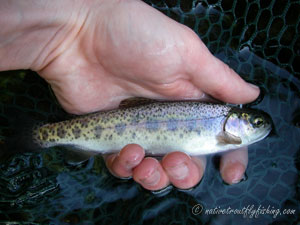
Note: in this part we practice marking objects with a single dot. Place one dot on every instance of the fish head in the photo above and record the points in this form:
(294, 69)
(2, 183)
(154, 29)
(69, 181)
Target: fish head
(247, 124)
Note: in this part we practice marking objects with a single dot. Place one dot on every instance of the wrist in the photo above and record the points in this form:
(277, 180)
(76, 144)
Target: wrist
(35, 32)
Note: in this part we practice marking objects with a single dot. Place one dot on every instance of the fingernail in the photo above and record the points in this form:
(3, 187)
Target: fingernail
(239, 179)
(178, 172)
(236, 180)
(152, 179)
(253, 86)
(233, 173)
(130, 163)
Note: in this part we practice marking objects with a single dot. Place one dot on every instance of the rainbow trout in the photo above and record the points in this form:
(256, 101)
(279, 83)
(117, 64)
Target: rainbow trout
(191, 127)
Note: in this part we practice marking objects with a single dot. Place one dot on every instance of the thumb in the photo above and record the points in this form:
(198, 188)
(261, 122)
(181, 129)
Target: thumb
(215, 78)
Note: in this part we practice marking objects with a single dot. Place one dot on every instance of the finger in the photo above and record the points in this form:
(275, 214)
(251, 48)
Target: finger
(150, 174)
(184, 172)
(233, 165)
(214, 77)
(121, 164)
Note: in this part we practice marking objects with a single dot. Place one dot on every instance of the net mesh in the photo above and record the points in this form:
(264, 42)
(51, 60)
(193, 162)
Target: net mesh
(267, 28)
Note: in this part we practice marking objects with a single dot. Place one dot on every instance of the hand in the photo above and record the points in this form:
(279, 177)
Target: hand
(176, 167)
(110, 50)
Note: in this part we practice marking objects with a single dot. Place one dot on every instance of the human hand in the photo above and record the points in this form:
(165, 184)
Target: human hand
(108, 51)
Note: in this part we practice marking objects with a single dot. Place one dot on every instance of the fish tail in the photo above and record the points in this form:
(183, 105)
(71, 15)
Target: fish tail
(22, 137)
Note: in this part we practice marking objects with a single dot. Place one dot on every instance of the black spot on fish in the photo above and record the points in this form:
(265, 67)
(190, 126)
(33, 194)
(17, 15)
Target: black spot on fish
(181, 135)
(84, 123)
(120, 128)
(135, 119)
(133, 135)
(158, 138)
(110, 137)
(98, 131)
(152, 125)
(61, 132)
(76, 131)
(44, 135)
(191, 125)
(172, 125)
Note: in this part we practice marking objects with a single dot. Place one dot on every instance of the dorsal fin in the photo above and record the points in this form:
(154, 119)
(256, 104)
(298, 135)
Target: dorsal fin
(136, 101)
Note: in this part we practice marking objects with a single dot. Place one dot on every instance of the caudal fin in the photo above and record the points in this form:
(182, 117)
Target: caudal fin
(20, 138)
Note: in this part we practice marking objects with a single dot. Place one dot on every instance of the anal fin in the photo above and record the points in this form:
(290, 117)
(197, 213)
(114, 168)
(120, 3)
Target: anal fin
(75, 156)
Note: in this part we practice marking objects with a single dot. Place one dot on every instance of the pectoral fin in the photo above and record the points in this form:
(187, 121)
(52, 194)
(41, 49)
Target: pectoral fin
(75, 156)
(225, 138)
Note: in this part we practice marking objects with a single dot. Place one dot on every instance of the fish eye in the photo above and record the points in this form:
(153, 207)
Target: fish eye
(257, 122)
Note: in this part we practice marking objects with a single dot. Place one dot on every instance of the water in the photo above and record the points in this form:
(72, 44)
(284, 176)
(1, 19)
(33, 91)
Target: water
(44, 188)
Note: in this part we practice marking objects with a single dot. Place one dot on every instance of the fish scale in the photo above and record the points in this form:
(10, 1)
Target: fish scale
(161, 127)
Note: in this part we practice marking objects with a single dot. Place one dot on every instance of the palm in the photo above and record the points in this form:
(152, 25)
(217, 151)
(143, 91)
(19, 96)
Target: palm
(97, 71)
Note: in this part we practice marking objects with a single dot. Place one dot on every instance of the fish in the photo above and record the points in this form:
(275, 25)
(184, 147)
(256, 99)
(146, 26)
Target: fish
(196, 128)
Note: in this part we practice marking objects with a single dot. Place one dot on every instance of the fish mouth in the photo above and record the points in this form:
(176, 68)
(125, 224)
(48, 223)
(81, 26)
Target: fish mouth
(268, 127)
(266, 134)
(259, 138)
